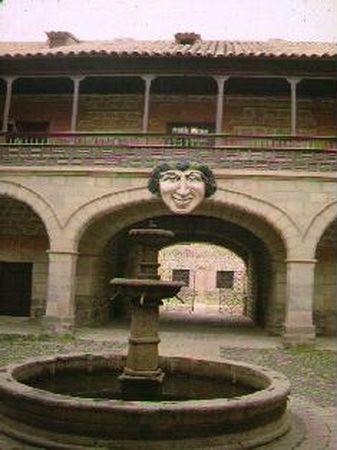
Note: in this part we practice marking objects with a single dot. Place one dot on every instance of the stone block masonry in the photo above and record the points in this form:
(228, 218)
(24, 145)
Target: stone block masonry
(242, 114)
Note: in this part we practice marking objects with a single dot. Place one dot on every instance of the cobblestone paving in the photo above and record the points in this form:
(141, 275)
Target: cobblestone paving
(312, 371)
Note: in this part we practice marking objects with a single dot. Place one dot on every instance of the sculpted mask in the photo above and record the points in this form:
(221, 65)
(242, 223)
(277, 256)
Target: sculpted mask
(183, 185)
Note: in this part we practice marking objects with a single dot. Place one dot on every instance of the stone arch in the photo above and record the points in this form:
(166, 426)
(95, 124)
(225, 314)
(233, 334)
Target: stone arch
(318, 224)
(38, 204)
(123, 218)
(269, 214)
(28, 227)
(95, 223)
(98, 207)
(274, 216)
(104, 243)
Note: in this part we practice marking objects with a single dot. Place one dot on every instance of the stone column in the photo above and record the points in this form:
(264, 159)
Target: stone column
(299, 327)
(60, 309)
(92, 276)
(293, 86)
(8, 99)
(148, 80)
(219, 105)
(76, 80)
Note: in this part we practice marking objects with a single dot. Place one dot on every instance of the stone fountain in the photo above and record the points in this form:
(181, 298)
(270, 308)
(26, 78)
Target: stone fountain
(142, 401)
(142, 377)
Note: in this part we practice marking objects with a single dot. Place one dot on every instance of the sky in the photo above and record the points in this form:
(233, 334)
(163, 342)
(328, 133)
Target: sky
(295, 20)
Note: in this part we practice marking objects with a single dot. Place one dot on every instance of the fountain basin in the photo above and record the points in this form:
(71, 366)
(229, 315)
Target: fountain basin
(147, 288)
(50, 420)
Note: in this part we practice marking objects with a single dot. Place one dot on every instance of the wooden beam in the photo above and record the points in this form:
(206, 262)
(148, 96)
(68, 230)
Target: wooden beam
(9, 85)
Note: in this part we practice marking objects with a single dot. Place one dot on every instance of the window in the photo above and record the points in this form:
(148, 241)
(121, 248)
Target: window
(187, 129)
(28, 132)
(190, 128)
(181, 275)
(225, 279)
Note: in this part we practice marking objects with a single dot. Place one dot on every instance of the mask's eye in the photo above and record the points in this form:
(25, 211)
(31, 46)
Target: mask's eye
(194, 176)
(170, 176)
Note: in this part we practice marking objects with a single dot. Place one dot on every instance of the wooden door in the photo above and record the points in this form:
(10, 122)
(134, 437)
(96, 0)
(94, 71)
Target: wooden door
(15, 288)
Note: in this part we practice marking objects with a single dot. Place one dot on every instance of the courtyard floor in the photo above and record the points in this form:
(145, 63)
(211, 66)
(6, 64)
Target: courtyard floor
(311, 371)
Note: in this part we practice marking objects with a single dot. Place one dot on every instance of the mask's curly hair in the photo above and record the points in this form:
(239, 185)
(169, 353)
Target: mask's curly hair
(206, 173)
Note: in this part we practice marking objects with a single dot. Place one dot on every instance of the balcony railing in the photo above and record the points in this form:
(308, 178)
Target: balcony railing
(314, 154)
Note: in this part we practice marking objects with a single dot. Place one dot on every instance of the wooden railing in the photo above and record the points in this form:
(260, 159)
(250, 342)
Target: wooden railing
(146, 150)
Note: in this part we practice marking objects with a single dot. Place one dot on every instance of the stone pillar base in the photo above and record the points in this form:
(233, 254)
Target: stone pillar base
(57, 325)
(135, 387)
(299, 335)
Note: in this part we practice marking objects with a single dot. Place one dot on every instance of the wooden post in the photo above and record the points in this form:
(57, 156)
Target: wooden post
(74, 113)
(9, 86)
(219, 105)
(293, 85)
(148, 80)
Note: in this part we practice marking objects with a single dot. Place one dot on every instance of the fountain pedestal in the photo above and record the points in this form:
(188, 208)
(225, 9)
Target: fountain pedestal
(142, 377)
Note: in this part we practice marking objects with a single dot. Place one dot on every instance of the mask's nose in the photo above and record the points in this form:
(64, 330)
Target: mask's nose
(183, 187)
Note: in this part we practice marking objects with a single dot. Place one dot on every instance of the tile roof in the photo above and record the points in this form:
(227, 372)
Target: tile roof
(273, 48)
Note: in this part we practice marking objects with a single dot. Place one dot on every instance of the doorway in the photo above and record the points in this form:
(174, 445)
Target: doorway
(15, 288)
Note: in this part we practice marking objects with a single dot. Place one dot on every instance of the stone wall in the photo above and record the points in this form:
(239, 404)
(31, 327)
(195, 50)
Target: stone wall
(55, 109)
(203, 261)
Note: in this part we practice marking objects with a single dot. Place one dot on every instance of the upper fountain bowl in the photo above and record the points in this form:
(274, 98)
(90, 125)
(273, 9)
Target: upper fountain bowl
(151, 237)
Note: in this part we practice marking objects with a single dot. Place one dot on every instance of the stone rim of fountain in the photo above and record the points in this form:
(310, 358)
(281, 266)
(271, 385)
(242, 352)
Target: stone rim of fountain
(253, 419)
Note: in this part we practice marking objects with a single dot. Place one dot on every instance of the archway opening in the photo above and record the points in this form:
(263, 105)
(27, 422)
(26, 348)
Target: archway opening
(216, 279)
(104, 252)
(23, 260)
(325, 292)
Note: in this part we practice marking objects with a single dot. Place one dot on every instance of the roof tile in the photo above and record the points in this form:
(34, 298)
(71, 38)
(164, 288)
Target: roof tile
(200, 48)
